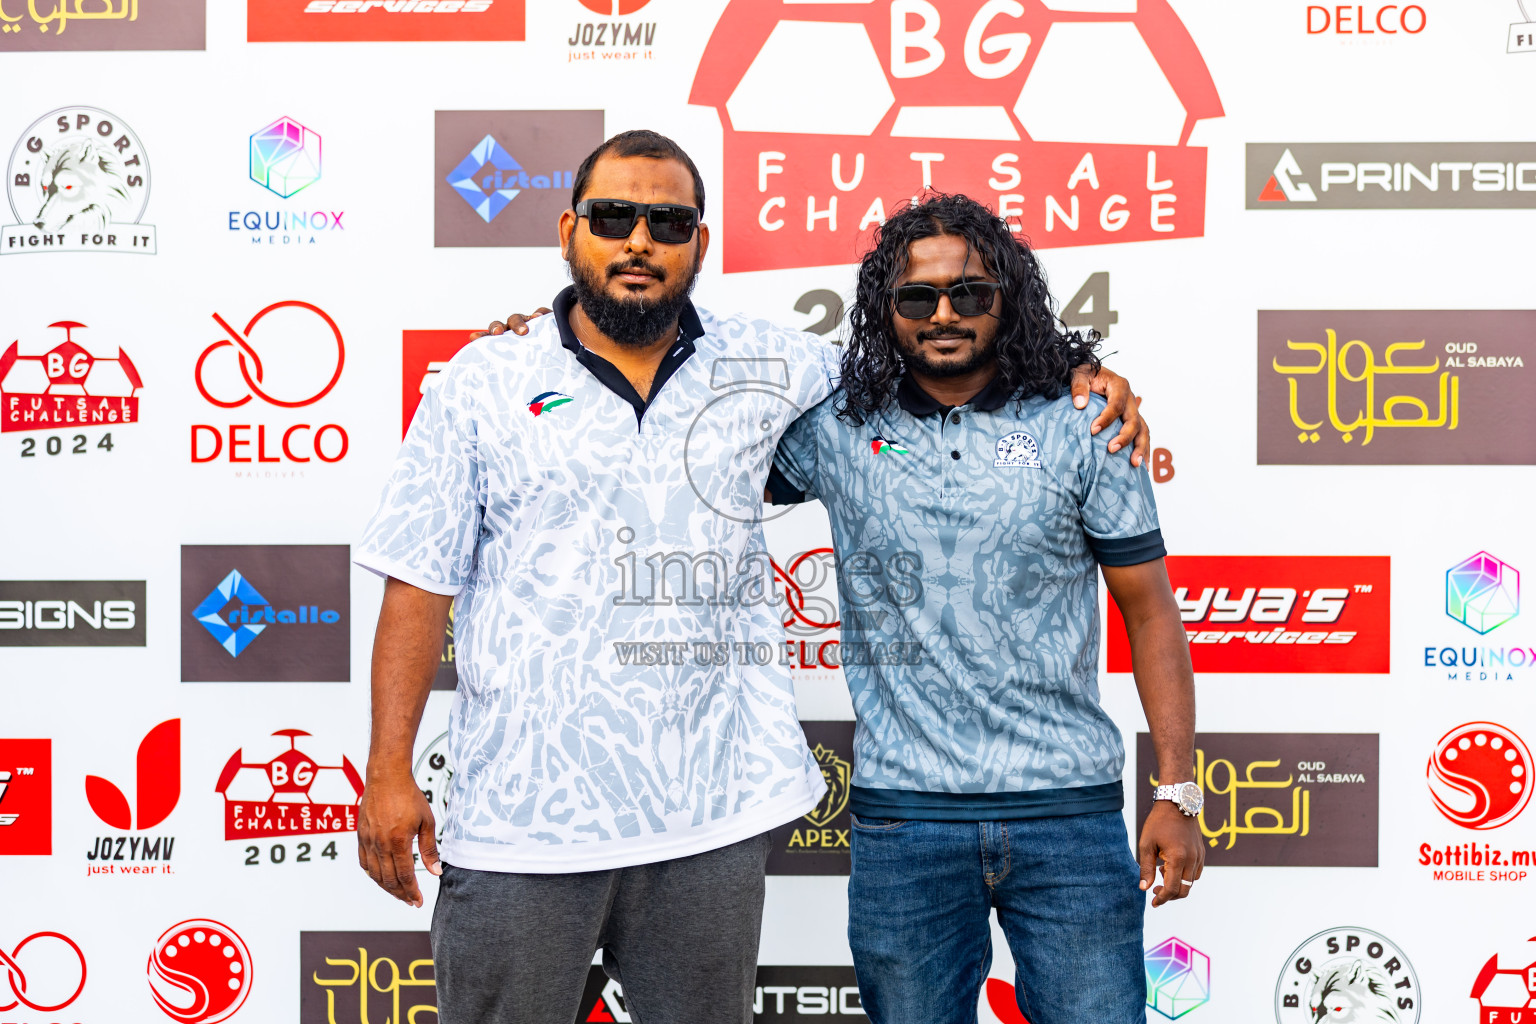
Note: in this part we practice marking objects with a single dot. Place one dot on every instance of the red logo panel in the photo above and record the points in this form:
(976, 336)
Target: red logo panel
(1271, 613)
(342, 21)
(157, 782)
(1480, 775)
(26, 797)
(423, 354)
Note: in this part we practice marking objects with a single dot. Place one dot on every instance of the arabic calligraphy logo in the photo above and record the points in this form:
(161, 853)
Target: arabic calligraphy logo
(838, 774)
(1482, 592)
(285, 157)
(1480, 775)
(1255, 820)
(46, 987)
(366, 976)
(200, 972)
(241, 341)
(1178, 978)
(1334, 361)
(128, 9)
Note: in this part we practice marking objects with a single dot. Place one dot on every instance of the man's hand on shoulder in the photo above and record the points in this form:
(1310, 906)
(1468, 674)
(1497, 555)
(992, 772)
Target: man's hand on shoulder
(517, 323)
(1123, 405)
(1172, 837)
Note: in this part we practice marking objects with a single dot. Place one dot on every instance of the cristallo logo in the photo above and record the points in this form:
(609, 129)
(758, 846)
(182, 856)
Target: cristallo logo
(981, 98)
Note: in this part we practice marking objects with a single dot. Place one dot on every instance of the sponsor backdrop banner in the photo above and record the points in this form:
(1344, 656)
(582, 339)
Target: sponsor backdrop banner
(233, 234)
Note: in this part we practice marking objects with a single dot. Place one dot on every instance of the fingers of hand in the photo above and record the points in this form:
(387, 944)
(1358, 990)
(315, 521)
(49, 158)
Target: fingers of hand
(1147, 857)
(1080, 388)
(403, 867)
(426, 845)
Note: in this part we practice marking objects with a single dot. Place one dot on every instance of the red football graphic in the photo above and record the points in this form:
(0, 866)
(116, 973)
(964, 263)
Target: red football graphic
(1480, 775)
(200, 972)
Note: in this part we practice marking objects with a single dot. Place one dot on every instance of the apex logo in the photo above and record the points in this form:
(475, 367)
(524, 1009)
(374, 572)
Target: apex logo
(157, 783)
(1284, 185)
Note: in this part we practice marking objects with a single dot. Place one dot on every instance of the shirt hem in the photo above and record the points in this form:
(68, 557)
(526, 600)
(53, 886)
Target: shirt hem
(381, 566)
(569, 859)
(911, 805)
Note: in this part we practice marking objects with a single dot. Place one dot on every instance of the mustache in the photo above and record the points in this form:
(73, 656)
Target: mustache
(636, 263)
(933, 333)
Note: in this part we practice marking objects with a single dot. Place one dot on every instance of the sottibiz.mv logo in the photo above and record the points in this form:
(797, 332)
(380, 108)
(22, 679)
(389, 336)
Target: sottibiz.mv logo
(200, 972)
(1277, 614)
(992, 99)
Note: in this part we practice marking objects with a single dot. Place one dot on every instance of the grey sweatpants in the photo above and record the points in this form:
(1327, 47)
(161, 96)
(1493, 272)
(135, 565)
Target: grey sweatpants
(680, 936)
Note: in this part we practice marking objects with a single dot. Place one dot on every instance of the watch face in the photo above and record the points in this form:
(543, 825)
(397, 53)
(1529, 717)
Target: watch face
(1191, 799)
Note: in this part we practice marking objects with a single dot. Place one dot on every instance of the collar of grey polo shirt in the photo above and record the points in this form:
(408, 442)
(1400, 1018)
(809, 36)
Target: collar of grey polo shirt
(688, 328)
(911, 397)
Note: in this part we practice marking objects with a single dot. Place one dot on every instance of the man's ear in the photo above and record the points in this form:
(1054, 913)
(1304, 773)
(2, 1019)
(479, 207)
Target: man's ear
(567, 228)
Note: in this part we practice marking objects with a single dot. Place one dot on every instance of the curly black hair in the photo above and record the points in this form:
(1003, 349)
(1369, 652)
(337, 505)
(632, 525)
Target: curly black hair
(1035, 352)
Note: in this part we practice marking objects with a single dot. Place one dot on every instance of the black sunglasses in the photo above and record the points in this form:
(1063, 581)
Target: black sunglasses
(615, 218)
(968, 298)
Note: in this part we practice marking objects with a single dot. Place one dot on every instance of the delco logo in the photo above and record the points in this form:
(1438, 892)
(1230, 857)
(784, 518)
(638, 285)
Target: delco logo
(982, 98)
(1275, 614)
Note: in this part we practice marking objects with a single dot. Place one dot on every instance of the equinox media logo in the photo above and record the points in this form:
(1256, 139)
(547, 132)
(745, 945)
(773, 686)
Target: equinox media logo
(1482, 592)
(285, 157)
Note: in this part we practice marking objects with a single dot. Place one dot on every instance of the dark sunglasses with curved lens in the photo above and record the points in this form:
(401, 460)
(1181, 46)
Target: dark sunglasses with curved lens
(615, 218)
(968, 298)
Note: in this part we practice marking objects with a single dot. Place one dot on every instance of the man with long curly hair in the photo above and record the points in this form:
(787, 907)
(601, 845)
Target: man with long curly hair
(972, 512)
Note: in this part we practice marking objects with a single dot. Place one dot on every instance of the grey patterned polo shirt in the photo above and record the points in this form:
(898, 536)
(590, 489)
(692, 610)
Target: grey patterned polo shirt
(968, 542)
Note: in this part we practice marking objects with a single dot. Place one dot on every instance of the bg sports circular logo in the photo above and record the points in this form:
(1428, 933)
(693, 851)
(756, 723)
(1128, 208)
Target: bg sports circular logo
(1480, 775)
(1347, 975)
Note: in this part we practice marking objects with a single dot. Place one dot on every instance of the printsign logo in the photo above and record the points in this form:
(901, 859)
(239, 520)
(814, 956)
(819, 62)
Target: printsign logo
(72, 613)
(503, 177)
(1345, 974)
(293, 598)
(107, 25)
(1480, 775)
(45, 972)
(1267, 613)
(342, 975)
(783, 994)
(67, 387)
(818, 842)
(26, 798)
(1395, 387)
(304, 21)
(1391, 175)
(200, 972)
(1482, 592)
(78, 181)
(978, 98)
(1281, 799)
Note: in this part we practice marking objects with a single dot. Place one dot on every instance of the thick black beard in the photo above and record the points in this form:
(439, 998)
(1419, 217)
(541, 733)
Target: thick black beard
(980, 356)
(632, 323)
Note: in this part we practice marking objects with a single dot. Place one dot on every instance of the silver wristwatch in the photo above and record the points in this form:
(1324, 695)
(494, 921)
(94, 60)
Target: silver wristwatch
(1186, 796)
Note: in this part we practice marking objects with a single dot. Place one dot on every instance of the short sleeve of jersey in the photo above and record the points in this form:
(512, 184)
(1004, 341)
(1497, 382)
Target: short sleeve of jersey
(793, 478)
(1119, 512)
(428, 519)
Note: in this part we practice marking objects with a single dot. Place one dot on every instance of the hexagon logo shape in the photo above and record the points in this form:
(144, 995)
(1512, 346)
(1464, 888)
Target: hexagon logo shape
(1482, 592)
(1178, 978)
(285, 157)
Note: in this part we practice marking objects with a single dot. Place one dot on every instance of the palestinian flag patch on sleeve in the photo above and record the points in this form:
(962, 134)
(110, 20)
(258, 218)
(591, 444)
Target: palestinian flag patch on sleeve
(881, 446)
(547, 401)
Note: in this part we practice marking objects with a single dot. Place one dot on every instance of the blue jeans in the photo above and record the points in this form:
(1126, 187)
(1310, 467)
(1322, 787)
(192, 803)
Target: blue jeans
(920, 894)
